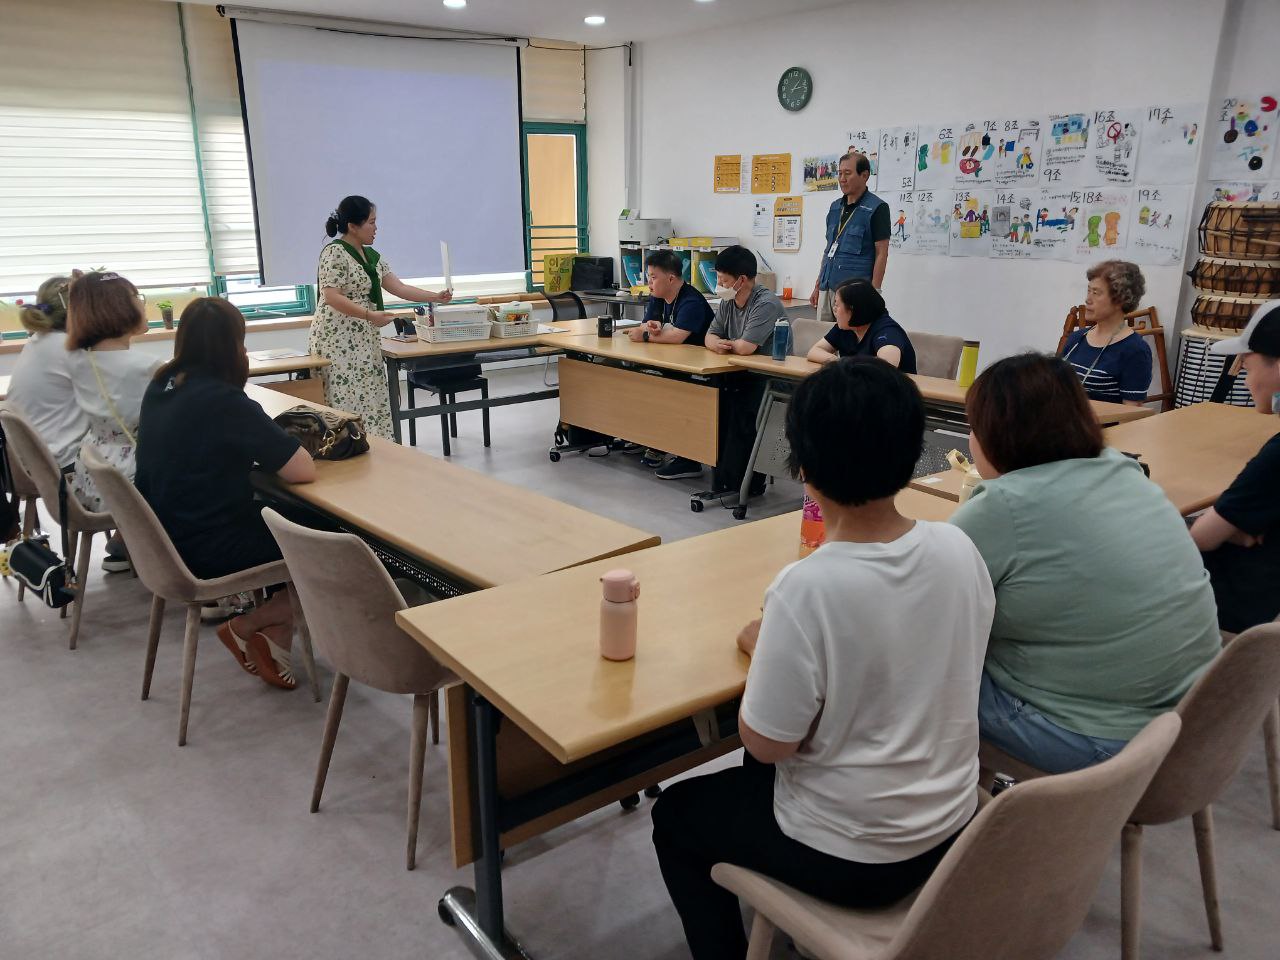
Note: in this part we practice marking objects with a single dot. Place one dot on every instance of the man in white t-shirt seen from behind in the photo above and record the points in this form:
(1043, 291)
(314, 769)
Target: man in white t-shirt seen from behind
(860, 717)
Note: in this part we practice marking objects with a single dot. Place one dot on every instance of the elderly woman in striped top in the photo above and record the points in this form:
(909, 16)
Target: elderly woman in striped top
(1111, 360)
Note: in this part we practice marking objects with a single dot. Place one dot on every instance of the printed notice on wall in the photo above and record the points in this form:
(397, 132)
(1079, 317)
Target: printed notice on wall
(771, 173)
(728, 173)
(787, 219)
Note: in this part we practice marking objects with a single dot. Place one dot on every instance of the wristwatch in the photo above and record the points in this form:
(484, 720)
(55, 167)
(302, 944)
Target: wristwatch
(646, 336)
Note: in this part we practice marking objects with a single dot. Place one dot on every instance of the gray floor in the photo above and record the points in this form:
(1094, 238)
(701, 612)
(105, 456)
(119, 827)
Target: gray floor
(116, 843)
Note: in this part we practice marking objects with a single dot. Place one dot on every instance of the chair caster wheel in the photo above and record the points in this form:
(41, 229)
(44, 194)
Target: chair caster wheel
(739, 513)
(654, 791)
(554, 455)
(631, 802)
(695, 506)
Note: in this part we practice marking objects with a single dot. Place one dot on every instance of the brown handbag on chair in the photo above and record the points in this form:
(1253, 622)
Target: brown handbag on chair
(325, 434)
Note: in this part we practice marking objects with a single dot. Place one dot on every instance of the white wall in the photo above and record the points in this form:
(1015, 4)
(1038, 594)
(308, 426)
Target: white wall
(607, 115)
(916, 61)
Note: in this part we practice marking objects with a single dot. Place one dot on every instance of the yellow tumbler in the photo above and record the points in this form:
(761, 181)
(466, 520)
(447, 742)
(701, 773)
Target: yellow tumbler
(968, 363)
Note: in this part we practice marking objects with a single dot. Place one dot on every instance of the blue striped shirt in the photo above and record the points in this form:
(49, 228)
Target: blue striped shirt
(1118, 372)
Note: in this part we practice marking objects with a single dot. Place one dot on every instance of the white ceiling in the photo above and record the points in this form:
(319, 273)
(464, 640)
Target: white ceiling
(556, 19)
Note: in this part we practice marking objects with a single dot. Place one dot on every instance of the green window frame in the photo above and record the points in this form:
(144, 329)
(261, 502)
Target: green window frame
(576, 234)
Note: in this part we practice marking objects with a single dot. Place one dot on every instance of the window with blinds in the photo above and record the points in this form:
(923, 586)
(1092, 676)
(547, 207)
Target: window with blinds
(97, 160)
(553, 82)
(225, 164)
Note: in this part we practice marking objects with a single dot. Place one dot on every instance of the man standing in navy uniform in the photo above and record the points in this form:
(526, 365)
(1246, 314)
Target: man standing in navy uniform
(857, 236)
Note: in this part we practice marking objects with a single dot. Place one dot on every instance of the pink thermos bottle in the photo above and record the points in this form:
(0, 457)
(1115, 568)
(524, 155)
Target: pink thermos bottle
(618, 615)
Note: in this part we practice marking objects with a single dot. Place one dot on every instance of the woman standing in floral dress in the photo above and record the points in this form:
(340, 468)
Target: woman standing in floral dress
(349, 315)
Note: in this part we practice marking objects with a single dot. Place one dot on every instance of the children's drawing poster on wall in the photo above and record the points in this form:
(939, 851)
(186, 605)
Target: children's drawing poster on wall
(936, 157)
(1158, 225)
(1113, 146)
(902, 221)
(1104, 230)
(728, 173)
(1239, 191)
(932, 221)
(971, 223)
(976, 153)
(1057, 224)
(1171, 138)
(1014, 216)
(771, 173)
(1066, 147)
(897, 158)
(1243, 137)
(1018, 145)
(822, 172)
(1271, 194)
(866, 140)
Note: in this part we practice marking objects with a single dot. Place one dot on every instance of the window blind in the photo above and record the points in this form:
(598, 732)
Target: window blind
(223, 156)
(553, 82)
(97, 159)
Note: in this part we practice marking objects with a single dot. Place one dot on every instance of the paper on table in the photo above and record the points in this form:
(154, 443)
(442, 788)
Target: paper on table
(448, 270)
(280, 353)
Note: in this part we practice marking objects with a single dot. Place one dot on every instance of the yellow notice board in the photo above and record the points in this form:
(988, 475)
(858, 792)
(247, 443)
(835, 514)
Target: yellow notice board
(728, 175)
(771, 173)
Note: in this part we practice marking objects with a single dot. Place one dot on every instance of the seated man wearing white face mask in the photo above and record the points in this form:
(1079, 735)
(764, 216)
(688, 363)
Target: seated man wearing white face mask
(743, 325)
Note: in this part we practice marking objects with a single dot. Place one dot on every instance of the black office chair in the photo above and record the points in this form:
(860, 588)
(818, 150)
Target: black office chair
(566, 306)
(447, 383)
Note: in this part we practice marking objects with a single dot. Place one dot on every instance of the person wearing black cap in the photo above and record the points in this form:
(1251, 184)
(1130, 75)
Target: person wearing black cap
(1240, 534)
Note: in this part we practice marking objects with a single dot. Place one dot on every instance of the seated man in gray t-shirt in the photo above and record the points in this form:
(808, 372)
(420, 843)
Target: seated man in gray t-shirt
(743, 325)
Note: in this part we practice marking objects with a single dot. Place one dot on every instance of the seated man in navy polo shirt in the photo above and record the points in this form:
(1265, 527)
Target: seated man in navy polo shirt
(677, 313)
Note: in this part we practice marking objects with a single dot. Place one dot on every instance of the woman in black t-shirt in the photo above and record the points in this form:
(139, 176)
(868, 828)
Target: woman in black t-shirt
(199, 438)
(864, 328)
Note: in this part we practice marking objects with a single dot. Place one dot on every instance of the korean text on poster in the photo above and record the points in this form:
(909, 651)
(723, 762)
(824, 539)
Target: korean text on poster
(1018, 147)
(932, 221)
(1171, 138)
(866, 141)
(1015, 215)
(1057, 224)
(728, 173)
(897, 158)
(1066, 147)
(1113, 146)
(971, 223)
(1158, 224)
(936, 158)
(902, 221)
(975, 160)
(1105, 229)
(771, 173)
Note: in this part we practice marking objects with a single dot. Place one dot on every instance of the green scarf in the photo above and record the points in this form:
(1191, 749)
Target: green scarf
(368, 263)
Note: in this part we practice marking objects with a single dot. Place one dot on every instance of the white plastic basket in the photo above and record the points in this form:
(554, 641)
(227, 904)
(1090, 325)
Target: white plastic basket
(522, 328)
(453, 332)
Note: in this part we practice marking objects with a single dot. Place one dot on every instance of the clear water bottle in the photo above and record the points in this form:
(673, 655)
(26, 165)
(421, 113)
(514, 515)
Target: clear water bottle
(781, 339)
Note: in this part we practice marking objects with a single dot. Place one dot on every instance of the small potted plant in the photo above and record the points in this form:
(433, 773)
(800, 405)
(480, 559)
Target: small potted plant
(166, 313)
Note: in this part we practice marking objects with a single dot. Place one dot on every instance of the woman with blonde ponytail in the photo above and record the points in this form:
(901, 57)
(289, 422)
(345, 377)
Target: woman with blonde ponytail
(42, 388)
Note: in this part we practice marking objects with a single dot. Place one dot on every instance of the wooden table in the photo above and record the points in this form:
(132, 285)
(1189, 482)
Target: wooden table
(404, 357)
(934, 390)
(452, 528)
(674, 405)
(1195, 452)
(581, 732)
(282, 365)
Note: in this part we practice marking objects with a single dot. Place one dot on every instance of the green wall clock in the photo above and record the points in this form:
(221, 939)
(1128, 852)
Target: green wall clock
(795, 87)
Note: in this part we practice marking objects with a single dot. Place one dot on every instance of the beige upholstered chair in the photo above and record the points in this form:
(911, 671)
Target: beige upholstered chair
(1219, 712)
(937, 354)
(351, 602)
(805, 332)
(37, 462)
(1015, 885)
(1271, 747)
(165, 574)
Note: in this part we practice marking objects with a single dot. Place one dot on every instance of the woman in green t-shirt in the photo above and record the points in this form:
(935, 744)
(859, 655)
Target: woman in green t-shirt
(1104, 612)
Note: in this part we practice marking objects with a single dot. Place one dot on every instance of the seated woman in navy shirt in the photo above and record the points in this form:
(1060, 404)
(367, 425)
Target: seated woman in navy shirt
(1239, 535)
(864, 328)
(1112, 362)
(199, 438)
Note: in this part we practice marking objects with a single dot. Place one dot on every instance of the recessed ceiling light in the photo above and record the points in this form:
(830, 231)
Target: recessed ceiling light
(594, 20)
(455, 4)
